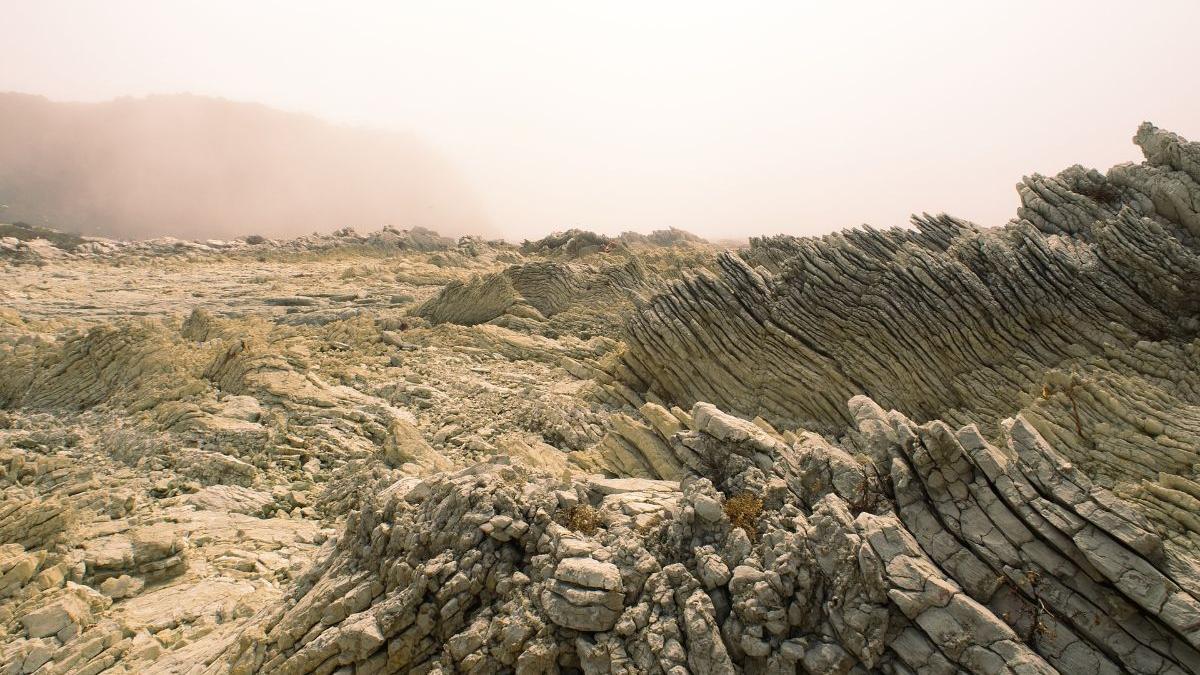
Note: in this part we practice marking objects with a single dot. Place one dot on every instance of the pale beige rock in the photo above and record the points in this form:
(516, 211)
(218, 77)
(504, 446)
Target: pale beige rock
(934, 450)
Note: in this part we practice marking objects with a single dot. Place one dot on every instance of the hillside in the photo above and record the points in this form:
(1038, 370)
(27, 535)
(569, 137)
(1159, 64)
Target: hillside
(190, 166)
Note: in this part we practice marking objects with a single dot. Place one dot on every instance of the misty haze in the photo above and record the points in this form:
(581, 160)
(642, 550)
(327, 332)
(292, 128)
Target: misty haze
(563, 338)
(201, 168)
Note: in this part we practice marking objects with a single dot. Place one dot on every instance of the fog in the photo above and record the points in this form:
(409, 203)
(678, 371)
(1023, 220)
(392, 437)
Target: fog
(201, 168)
(725, 119)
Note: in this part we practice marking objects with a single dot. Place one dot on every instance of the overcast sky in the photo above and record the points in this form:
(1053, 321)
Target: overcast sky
(725, 119)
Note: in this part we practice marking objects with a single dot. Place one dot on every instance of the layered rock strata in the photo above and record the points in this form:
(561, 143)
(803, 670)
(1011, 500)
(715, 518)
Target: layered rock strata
(1081, 315)
(939, 450)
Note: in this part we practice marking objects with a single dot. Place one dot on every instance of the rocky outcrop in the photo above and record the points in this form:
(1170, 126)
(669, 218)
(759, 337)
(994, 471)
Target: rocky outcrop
(571, 243)
(576, 243)
(92, 367)
(932, 550)
(1080, 315)
(342, 422)
(151, 552)
(537, 291)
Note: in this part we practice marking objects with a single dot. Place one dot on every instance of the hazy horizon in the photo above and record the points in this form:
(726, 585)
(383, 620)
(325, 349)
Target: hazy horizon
(722, 120)
(199, 168)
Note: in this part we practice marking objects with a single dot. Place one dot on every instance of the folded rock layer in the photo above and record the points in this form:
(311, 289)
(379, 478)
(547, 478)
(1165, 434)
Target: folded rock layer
(958, 555)
(1080, 314)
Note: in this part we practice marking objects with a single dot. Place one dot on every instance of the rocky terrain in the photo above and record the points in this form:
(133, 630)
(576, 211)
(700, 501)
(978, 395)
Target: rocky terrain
(937, 449)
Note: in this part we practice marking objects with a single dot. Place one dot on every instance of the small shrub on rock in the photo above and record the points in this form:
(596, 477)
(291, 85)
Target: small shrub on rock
(743, 510)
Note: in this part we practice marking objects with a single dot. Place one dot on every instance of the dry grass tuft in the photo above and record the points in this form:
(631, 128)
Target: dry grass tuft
(743, 510)
(583, 519)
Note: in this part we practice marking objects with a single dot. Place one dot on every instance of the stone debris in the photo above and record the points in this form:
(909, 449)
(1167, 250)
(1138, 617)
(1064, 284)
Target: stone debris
(938, 450)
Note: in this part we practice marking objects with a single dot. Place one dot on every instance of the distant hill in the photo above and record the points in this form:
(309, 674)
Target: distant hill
(197, 167)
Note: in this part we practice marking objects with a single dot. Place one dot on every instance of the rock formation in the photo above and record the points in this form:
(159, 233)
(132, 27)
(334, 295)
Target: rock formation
(579, 299)
(956, 554)
(1081, 315)
(934, 450)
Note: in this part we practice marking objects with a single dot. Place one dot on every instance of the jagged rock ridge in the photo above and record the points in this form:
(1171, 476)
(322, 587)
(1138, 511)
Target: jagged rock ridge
(1081, 314)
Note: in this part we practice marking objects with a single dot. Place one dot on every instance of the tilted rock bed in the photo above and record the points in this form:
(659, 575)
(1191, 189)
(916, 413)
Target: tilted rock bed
(1099, 272)
(573, 296)
(1082, 315)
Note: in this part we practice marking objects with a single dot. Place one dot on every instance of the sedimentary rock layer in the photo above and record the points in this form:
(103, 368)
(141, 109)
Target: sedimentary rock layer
(1082, 313)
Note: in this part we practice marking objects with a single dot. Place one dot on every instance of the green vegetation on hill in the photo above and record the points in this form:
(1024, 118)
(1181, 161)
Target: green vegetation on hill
(26, 232)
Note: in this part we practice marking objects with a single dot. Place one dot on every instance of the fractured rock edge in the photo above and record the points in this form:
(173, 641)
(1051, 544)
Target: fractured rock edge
(951, 553)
